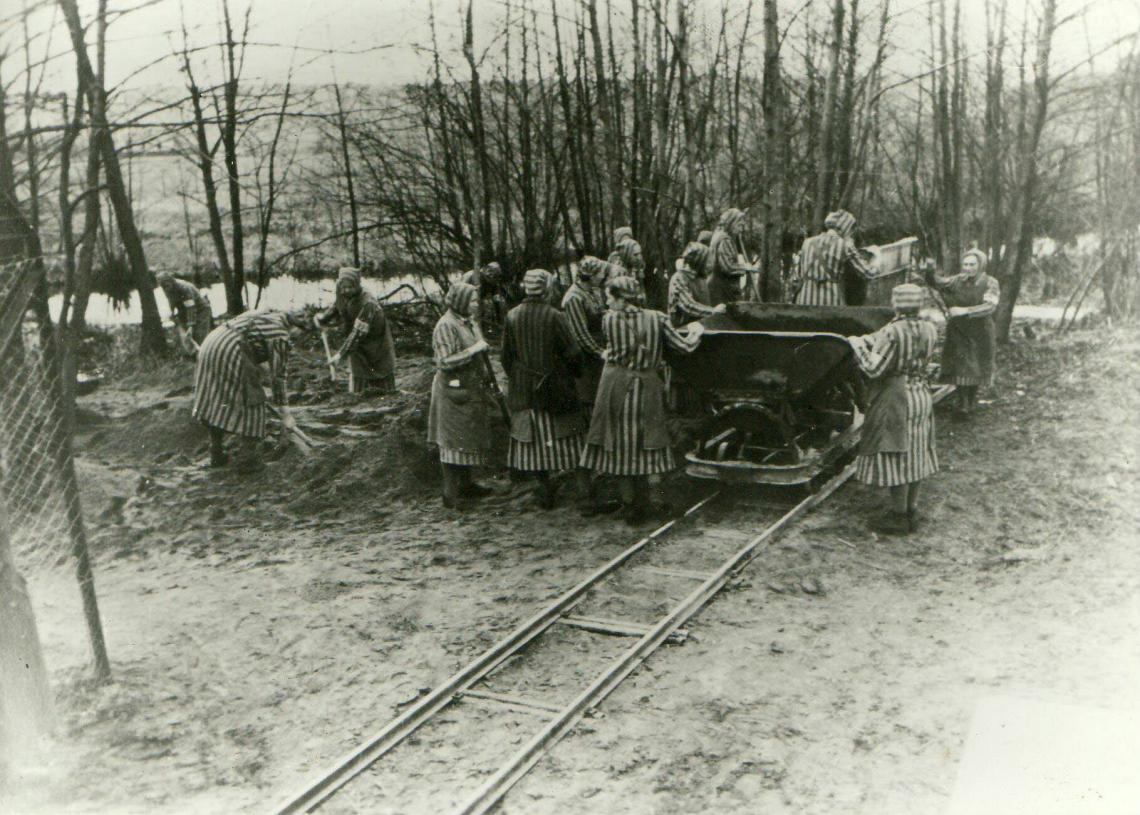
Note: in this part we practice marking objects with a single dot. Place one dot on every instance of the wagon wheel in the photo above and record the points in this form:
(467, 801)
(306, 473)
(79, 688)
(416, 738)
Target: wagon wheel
(762, 425)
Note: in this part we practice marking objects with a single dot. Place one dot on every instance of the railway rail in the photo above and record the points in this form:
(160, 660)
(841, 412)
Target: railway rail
(631, 585)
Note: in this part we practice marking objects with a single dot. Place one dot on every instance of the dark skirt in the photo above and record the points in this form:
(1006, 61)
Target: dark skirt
(968, 355)
(458, 420)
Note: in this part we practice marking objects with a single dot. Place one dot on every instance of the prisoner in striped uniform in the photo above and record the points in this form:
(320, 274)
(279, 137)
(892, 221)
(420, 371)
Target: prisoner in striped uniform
(189, 309)
(458, 420)
(818, 279)
(540, 358)
(968, 353)
(628, 260)
(727, 269)
(368, 338)
(584, 306)
(228, 395)
(628, 436)
(686, 300)
(897, 449)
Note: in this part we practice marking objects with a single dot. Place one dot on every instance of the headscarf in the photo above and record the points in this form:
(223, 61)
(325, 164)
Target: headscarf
(705, 237)
(841, 221)
(695, 257)
(625, 287)
(591, 268)
(164, 278)
(348, 273)
(621, 233)
(980, 255)
(459, 297)
(730, 218)
(629, 251)
(493, 271)
(297, 318)
(536, 282)
(907, 297)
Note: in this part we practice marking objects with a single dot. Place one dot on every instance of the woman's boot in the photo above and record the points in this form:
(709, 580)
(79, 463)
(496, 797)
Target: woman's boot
(218, 457)
(545, 492)
(450, 486)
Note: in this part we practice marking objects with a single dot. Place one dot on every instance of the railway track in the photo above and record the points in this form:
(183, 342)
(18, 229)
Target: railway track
(645, 594)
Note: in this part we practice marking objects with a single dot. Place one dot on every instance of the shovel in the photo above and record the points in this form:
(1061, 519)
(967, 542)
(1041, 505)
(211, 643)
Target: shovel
(328, 355)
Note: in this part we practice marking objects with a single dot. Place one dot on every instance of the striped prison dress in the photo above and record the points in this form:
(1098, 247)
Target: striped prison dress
(584, 309)
(897, 444)
(685, 304)
(726, 273)
(547, 426)
(627, 435)
(457, 419)
(227, 381)
(818, 279)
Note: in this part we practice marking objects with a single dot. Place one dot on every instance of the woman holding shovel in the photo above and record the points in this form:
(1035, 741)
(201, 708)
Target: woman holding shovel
(190, 311)
(228, 396)
(368, 338)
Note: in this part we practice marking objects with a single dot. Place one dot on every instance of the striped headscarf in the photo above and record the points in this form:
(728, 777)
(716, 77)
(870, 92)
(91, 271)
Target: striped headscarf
(907, 297)
(980, 255)
(536, 282)
(348, 281)
(841, 221)
(696, 257)
(621, 233)
(591, 268)
(730, 218)
(459, 297)
(624, 287)
(705, 237)
(629, 251)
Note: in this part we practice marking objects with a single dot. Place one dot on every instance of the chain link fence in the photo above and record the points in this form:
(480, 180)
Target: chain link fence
(38, 487)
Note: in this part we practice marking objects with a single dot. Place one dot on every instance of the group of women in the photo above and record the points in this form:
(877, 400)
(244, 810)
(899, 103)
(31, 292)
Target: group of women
(586, 380)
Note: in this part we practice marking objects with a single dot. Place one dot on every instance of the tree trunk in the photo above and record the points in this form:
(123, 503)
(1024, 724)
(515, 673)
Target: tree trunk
(235, 294)
(1019, 244)
(152, 336)
(825, 170)
(775, 158)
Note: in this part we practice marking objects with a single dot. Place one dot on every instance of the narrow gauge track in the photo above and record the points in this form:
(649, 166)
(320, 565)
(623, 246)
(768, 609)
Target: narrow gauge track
(717, 547)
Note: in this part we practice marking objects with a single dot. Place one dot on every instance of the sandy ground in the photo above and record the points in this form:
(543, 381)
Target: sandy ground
(259, 628)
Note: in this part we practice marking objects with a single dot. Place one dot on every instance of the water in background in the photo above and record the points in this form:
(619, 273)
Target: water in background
(288, 292)
(281, 293)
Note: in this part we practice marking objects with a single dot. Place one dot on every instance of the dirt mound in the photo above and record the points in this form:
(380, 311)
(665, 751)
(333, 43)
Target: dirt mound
(151, 435)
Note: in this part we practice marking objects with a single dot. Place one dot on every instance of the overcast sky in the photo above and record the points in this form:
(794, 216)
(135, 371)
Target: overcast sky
(386, 34)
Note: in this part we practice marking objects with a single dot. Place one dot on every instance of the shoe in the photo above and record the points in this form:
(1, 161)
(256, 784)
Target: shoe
(219, 461)
(662, 510)
(477, 491)
(892, 523)
(912, 519)
(591, 508)
(453, 503)
(633, 515)
(545, 499)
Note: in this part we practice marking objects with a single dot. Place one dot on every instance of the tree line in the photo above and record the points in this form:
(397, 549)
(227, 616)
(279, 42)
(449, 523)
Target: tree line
(541, 125)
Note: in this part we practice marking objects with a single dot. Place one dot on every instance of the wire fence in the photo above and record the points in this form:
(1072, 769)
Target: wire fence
(38, 485)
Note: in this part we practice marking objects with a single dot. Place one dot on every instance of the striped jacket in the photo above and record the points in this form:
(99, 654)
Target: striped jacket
(584, 314)
(538, 357)
(684, 302)
(818, 279)
(635, 338)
